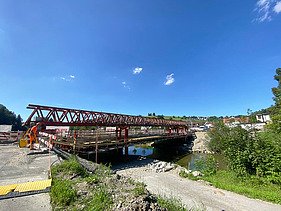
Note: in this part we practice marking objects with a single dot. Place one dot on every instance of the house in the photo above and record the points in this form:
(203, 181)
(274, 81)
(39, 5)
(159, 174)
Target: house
(235, 120)
(263, 118)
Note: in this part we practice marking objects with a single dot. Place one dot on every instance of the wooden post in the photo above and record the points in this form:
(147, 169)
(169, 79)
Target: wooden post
(74, 141)
(97, 144)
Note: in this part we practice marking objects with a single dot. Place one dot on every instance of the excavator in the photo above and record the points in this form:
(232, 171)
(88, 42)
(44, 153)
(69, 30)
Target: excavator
(30, 136)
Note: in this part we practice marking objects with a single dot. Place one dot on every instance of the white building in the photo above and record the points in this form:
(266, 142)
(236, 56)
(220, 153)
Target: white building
(263, 118)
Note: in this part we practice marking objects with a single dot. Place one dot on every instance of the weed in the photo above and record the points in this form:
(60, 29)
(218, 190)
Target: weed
(70, 166)
(189, 176)
(62, 193)
(101, 200)
(103, 171)
(92, 179)
(139, 189)
(171, 204)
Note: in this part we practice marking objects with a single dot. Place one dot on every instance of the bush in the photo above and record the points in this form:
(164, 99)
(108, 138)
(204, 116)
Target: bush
(247, 153)
(266, 156)
(207, 165)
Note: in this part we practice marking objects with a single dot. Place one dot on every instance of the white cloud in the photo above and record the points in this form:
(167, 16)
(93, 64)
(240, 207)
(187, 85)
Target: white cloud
(67, 78)
(169, 79)
(277, 7)
(137, 70)
(125, 85)
(266, 9)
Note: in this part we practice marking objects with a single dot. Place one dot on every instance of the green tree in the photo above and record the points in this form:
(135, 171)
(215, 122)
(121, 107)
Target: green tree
(8, 117)
(276, 109)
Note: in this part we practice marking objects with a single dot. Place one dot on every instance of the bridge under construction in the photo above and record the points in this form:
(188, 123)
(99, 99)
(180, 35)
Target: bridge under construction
(104, 131)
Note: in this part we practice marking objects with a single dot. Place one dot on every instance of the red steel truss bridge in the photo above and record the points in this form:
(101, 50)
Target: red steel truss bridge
(55, 116)
(127, 129)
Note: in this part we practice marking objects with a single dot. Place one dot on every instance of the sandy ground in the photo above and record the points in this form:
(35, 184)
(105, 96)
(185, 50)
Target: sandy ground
(18, 167)
(194, 194)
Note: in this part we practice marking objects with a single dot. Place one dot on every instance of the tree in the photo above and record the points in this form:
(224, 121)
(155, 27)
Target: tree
(9, 118)
(276, 109)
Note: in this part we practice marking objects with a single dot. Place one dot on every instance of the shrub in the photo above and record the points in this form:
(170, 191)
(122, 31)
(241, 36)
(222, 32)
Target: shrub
(207, 165)
(249, 154)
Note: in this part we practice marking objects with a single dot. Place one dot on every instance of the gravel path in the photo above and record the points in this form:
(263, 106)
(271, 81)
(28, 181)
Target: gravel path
(194, 194)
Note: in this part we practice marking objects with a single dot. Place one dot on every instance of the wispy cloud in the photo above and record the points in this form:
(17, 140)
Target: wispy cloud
(169, 79)
(125, 85)
(277, 7)
(137, 70)
(67, 78)
(266, 9)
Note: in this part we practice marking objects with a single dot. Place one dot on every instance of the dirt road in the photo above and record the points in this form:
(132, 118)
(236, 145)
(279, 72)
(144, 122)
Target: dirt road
(194, 194)
(16, 166)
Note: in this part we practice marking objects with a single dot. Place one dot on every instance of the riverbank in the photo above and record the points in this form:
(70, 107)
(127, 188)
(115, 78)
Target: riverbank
(193, 194)
(200, 144)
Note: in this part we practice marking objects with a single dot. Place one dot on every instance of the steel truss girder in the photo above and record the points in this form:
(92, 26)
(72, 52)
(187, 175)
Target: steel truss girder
(55, 116)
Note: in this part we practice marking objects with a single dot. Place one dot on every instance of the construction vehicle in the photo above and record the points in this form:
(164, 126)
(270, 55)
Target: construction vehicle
(30, 136)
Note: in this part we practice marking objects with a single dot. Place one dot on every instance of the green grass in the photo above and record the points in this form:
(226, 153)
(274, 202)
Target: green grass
(252, 187)
(139, 189)
(171, 204)
(62, 193)
(189, 176)
(70, 166)
(101, 200)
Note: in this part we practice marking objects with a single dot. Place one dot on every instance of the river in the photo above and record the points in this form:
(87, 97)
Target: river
(179, 155)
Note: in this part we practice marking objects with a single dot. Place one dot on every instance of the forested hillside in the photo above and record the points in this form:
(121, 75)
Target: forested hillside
(8, 117)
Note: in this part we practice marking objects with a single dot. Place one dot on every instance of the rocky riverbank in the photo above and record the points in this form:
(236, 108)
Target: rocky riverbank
(200, 144)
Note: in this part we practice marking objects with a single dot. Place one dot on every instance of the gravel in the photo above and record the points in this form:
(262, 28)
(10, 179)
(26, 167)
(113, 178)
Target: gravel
(194, 194)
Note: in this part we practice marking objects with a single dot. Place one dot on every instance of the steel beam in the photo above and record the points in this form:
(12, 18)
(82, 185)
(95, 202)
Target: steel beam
(55, 116)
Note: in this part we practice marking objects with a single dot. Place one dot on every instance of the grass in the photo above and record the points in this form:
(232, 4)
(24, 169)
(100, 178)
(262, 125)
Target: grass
(62, 193)
(101, 200)
(183, 174)
(99, 194)
(252, 187)
(70, 166)
(171, 204)
(139, 189)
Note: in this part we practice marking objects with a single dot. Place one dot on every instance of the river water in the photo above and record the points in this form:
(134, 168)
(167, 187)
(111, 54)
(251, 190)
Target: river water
(180, 155)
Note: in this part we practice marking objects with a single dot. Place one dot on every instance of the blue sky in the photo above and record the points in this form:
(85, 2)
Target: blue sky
(171, 57)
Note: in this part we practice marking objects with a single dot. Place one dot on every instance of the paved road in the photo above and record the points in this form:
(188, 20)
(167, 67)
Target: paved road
(194, 194)
(18, 167)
